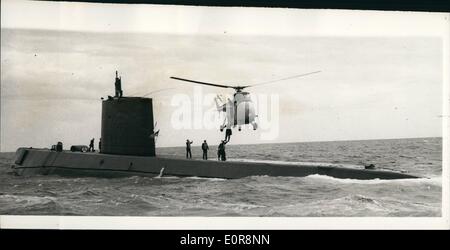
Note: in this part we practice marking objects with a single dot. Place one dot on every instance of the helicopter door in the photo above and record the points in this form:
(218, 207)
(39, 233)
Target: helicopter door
(245, 113)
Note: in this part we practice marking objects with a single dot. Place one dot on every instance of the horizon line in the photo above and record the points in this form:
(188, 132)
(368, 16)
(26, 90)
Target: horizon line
(401, 138)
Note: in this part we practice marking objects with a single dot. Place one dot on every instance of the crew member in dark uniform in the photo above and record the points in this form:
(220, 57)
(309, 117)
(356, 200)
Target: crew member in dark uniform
(205, 149)
(228, 134)
(221, 151)
(118, 85)
(100, 144)
(188, 149)
(91, 145)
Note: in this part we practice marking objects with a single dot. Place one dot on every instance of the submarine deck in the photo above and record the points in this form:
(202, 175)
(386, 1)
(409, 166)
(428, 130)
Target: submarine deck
(30, 161)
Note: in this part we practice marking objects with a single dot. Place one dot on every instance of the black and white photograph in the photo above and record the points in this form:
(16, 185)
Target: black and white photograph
(185, 112)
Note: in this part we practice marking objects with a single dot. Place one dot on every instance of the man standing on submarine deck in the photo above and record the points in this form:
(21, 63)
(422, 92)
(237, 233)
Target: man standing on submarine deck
(221, 151)
(205, 149)
(188, 149)
(91, 145)
(118, 85)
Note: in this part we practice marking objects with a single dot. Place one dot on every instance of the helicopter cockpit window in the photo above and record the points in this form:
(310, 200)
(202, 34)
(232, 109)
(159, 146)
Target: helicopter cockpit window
(242, 96)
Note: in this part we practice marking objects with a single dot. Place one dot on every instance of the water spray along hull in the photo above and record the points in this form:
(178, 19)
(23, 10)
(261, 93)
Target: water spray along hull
(42, 161)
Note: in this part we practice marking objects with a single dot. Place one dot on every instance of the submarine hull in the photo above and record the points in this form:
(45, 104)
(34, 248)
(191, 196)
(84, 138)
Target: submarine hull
(42, 161)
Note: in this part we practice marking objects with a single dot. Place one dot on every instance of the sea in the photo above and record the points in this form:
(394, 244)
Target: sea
(255, 196)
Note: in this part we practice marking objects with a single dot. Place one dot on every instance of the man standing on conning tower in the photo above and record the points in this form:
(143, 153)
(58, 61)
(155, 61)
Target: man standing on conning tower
(118, 85)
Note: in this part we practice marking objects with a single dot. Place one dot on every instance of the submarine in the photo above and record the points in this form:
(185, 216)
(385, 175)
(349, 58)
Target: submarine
(128, 149)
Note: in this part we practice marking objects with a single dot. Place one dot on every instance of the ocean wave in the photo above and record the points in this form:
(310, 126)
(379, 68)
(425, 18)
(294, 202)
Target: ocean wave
(87, 193)
(433, 181)
(26, 204)
(166, 177)
(205, 178)
(436, 181)
(236, 207)
(26, 198)
(348, 205)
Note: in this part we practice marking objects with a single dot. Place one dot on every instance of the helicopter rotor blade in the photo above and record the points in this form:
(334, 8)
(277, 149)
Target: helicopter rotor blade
(204, 83)
(282, 79)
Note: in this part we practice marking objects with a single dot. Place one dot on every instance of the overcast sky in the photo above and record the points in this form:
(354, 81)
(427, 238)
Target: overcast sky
(58, 59)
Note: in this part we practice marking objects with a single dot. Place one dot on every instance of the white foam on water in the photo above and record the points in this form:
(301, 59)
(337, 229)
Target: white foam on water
(239, 206)
(205, 178)
(437, 181)
(29, 200)
(166, 177)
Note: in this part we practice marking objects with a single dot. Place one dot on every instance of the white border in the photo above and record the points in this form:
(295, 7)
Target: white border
(205, 223)
(238, 21)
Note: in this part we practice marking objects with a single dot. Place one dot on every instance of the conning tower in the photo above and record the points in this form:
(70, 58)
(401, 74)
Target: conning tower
(127, 125)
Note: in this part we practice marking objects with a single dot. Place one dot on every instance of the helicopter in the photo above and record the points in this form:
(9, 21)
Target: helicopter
(241, 110)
